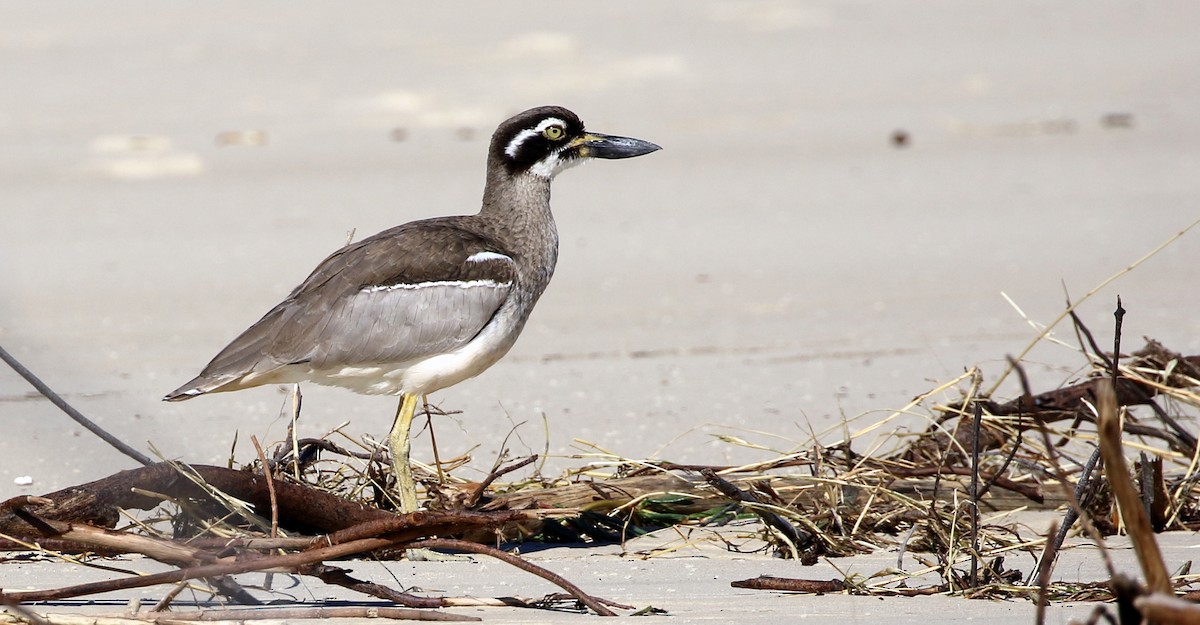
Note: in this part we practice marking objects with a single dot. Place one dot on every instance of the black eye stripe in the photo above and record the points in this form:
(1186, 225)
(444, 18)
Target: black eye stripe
(525, 142)
(537, 130)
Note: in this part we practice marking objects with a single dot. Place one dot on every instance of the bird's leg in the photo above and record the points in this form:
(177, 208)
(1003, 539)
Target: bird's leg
(437, 461)
(399, 445)
(398, 442)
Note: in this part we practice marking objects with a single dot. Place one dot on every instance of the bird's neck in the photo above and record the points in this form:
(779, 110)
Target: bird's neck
(519, 202)
(518, 209)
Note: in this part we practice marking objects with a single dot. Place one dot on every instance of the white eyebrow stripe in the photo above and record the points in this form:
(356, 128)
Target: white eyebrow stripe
(483, 257)
(462, 284)
(515, 144)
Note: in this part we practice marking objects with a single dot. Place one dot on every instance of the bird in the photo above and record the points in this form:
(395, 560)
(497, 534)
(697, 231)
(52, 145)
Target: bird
(425, 305)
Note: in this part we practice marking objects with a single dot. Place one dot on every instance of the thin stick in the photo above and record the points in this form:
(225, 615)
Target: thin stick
(494, 475)
(1119, 315)
(169, 597)
(1045, 567)
(62, 404)
(1082, 488)
(341, 577)
(270, 478)
(170, 552)
(975, 495)
(904, 546)
(167, 551)
(1008, 460)
(1052, 454)
(406, 528)
(227, 587)
(1087, 333)
(1135, 515)
(208, 570)
(267, 473)
(554, 578)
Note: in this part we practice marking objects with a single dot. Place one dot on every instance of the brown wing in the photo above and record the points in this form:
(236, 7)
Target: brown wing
(372, 302)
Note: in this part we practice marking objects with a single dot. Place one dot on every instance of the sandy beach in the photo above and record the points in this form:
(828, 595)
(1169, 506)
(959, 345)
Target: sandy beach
(785, 263)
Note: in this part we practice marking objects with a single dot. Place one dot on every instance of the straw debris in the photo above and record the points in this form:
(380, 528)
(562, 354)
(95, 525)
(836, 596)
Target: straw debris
(939, 498)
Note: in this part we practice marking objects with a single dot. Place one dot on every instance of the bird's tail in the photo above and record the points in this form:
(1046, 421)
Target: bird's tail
(197, 386)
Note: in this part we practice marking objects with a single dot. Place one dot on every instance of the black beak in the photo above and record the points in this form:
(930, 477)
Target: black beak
(596, 145)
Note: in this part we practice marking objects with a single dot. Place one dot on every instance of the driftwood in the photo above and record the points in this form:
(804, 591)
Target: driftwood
(359, 530)
(396, 532)
(301, 508)
(393, 533)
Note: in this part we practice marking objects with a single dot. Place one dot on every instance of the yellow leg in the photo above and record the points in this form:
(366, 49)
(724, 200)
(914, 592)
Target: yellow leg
(399, 445)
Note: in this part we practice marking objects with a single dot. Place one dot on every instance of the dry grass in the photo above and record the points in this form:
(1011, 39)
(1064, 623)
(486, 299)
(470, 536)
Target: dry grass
(844, 497)
(945, 497)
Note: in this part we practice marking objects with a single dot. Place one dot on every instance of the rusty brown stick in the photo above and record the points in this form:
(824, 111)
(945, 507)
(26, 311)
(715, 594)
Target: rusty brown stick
(167, 551)
(288, 562)
(494, 475)
(525, 565)
(789, 584)
(414, 524)
(341, 577)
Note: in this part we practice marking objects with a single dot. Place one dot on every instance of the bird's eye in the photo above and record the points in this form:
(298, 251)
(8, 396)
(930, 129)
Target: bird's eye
(554, 133)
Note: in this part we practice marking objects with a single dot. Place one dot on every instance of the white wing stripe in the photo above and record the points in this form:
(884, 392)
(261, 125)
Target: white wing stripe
(462, 284)
(483, 257)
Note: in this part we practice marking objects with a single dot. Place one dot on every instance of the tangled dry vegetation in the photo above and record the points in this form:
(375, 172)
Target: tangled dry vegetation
(939, 498)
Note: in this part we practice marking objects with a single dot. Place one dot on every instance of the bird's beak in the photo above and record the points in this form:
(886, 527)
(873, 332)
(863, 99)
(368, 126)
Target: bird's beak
(596, 145)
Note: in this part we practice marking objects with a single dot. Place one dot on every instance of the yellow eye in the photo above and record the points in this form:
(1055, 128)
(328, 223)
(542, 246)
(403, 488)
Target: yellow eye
(554, 133)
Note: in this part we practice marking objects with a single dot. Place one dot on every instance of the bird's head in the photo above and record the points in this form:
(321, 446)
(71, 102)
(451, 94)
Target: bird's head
(545, 140)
